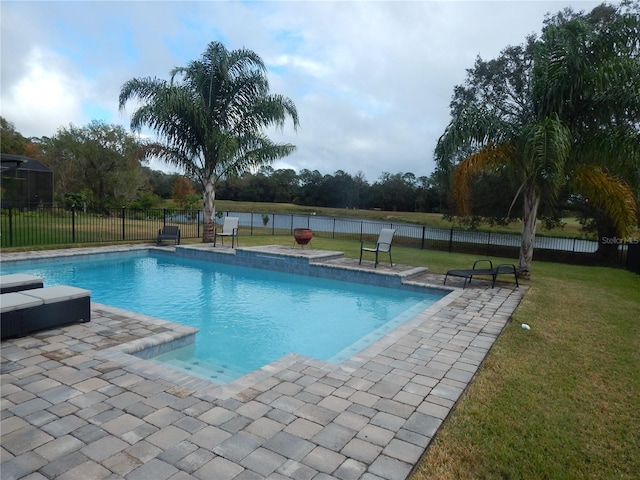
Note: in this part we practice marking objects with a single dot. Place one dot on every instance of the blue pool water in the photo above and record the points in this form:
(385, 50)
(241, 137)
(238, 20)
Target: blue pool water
(247, 317)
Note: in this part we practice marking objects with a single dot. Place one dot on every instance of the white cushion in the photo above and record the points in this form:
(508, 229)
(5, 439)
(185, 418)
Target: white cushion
(58, 293)
(17, 279)
(16, 301)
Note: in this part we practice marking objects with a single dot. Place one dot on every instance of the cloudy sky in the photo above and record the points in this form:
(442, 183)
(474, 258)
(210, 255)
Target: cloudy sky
(372, 81)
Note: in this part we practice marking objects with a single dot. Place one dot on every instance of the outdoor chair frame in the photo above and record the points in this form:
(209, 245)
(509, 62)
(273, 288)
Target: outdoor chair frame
(229, 229)
(503, 269)
(169, 232)
(382, 245)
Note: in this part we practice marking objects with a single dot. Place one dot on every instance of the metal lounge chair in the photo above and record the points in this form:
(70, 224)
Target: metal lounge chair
(229, 229)
(382, 245)
(169, 232)
(492, 272)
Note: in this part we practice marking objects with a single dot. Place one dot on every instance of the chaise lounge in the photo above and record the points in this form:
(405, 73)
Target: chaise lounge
(41, 308)
(504, 269)
(17, 282)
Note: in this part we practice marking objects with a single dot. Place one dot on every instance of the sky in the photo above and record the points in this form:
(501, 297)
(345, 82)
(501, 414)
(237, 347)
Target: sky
(371, 80)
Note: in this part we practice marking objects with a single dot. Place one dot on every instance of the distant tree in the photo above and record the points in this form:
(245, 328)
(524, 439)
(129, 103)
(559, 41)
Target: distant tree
(145, 200)
(191, 202)
(310, 185)
(161, 183)
(428, 194)
(284, 185)
(254, 187)
(10, 140)
(497, 208)
(361, 195)
(396, 192)
(337, 190)
(182, 188)
(98, 157)
(211, 122)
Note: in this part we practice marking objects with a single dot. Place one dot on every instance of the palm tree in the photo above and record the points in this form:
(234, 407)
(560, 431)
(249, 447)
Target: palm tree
(538, 111)
(211, 117)
(588, 71)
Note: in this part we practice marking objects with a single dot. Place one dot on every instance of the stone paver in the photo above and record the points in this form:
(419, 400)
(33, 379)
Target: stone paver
(76, 405)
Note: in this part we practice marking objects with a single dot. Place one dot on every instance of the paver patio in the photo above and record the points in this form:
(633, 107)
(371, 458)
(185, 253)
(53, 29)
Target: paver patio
(75, 405)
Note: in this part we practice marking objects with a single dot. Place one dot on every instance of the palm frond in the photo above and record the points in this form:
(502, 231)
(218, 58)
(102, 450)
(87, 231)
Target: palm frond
(175, 157)
(143, 89)
(485, 159)
(546, 147)
(609, 193)
(472, 128)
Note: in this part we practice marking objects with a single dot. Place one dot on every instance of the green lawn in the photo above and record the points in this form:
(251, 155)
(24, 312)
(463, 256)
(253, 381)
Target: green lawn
(559, 401)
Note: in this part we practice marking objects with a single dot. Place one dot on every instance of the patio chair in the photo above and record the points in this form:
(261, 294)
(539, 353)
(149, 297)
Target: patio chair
(229, 229)
(493, 272)
(169, 232)
(382, 245)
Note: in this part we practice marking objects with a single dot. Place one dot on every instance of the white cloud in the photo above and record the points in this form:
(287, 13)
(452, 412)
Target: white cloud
(301, 64)
(42, 96)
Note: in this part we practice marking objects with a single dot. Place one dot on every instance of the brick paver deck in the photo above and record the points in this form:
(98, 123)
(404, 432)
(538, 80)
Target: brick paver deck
(75, 406)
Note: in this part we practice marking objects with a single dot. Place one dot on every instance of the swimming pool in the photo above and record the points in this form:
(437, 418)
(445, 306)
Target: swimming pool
(247, 317)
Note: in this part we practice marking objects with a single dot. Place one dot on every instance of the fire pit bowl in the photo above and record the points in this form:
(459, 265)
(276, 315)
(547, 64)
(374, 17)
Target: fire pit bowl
(302, 235)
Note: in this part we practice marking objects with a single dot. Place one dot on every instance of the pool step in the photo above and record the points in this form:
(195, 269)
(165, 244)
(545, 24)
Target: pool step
(203, 369)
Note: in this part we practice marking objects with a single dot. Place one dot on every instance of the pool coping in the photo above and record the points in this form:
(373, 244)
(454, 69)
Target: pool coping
(433, 357)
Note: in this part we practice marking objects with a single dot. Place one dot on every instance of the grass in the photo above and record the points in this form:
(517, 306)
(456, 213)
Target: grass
(559, 401)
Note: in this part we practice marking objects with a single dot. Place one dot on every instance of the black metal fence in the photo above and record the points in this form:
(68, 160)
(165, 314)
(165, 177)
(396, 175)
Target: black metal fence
(633, 257)
(58, 226)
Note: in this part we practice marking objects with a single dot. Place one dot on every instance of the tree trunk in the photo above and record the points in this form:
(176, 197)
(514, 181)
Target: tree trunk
(529, 219)
(209, 211)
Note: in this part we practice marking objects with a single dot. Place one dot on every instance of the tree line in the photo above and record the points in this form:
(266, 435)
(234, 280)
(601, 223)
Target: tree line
(99, 166)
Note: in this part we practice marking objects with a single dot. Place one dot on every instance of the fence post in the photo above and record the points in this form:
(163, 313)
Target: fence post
(251, 226)
(333, 233)
(424, 231)
(10, 227)
(73, 224)
(273, 223)
(488, 243)
(123, 226)
(451, 240)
